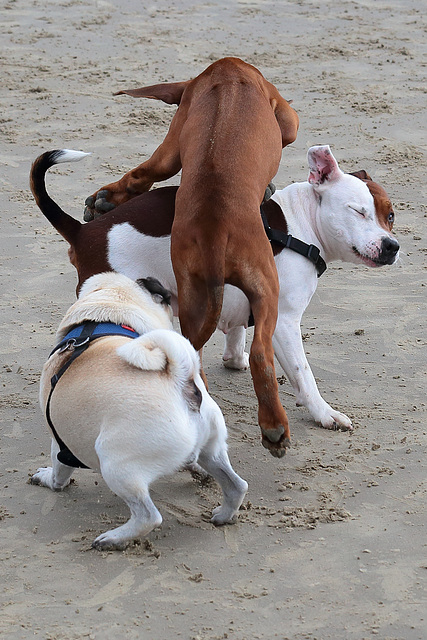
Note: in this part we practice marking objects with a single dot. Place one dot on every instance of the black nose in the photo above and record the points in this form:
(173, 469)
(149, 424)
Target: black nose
(389, 249)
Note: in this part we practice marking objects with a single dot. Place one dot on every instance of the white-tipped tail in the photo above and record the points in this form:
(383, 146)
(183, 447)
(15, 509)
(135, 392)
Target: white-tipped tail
(68, 155)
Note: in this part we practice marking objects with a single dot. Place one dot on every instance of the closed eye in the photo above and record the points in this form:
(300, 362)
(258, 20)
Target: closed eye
(361, 212)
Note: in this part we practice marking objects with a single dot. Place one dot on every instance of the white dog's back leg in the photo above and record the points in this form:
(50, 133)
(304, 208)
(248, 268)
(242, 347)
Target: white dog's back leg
(233, 486)
(235, 356)
(56, 477)
(129, 484)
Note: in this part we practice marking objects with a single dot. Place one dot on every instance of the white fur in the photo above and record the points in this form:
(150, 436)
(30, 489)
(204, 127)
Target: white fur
(131, 408)
(324, 214)
(69, 155)
(158, 349)
(124, 243)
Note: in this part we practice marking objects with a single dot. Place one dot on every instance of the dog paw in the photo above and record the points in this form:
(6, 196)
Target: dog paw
(275, 441)
(97, 205)
(271, 188)
(197, 472)
(40, 476)
(335, 421)
(44, 477)
(221, 515)
(108, 542)
(238, 362)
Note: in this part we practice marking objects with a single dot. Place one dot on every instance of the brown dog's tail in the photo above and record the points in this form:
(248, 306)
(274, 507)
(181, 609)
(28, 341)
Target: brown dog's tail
(67, 226)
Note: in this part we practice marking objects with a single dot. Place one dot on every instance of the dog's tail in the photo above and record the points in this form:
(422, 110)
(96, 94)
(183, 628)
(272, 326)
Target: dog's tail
(210, 299)
(67, 226)
(163, 350)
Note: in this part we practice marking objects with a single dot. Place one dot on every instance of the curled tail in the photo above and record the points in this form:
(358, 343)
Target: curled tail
(162, 350)
(67, 226)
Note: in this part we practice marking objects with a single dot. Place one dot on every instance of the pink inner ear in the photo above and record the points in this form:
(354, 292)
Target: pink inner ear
(323, 166)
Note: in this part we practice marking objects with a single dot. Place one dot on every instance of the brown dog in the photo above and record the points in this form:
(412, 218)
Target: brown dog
(227, 135)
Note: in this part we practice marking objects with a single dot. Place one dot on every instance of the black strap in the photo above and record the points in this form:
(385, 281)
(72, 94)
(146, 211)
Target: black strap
(287, 241)
(77, 345)
(64, 454)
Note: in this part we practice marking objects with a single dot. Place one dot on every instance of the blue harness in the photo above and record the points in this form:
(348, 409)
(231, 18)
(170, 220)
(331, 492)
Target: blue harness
(77, 341)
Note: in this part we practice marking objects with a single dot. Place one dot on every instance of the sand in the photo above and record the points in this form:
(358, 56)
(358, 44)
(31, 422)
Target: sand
(331, 542)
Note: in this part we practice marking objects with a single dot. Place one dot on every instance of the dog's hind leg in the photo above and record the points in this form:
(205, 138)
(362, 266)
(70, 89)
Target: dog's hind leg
(56, 477)
(233, 486)
(235, 356)
(130, 485)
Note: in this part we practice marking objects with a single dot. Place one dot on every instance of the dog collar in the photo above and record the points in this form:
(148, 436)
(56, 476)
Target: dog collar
(77, 341)
(287, 241)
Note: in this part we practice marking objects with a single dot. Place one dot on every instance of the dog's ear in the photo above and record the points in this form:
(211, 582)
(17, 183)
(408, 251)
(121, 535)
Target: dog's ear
(323, 166)
(362, 175)
(171, 93)
(157, 290)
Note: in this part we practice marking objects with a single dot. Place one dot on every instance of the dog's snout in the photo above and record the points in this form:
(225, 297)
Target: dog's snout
(389, 249)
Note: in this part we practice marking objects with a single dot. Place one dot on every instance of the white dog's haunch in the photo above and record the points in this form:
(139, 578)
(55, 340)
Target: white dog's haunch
(134, 409)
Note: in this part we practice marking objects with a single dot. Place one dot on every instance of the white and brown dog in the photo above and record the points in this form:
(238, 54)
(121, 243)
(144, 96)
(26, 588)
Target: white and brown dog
(132, 405)
(332, 216)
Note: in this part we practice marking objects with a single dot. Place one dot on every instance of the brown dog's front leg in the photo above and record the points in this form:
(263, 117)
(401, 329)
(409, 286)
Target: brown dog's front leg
(109, 197)
(163, 164)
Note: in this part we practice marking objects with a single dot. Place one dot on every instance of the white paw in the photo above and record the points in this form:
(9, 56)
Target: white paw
(332, 419)
(239, 362)
(108, 541)
(221, 515)
(43, 477)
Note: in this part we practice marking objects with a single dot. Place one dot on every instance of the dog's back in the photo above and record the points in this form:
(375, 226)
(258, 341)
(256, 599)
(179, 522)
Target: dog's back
(129, 391)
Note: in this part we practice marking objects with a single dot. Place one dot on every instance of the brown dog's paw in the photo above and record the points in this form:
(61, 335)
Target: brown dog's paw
(275, 441)
(97, 205)
(89, 210)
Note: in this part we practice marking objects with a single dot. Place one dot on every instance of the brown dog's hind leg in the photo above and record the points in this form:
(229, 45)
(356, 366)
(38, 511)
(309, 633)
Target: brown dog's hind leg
(272, 417)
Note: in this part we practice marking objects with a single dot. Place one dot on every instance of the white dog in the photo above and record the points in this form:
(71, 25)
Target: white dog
(136, 408)
(347, 217)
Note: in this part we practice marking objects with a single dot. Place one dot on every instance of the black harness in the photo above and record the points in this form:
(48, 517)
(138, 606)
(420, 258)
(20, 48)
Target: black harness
(77, 341)
(287, 241)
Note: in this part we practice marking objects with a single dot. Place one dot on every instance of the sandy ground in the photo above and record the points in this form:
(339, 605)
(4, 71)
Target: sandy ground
(331, 543)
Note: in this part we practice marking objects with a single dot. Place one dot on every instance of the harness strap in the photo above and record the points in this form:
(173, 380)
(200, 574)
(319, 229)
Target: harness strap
(91, 330)
(77, 341)
(287, 241)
